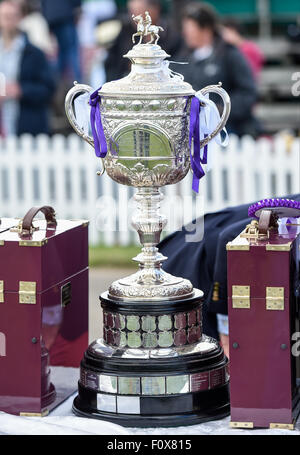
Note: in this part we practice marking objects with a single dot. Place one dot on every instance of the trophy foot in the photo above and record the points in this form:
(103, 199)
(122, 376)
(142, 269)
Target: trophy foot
(153, 367)
(151, 284)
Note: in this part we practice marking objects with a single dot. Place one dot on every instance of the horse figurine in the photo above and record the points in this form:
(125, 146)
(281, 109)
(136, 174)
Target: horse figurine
(145, 28)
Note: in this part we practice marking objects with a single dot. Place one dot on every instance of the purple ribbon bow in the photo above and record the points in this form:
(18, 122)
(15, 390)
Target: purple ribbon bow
(96, 124)
(195, 158)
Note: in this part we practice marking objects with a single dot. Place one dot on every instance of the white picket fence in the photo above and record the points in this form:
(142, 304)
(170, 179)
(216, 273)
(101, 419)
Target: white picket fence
(61, 172)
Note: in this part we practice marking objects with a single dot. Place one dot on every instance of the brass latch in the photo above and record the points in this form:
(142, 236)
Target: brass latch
(19, 228)
(274, 298)
(1, 291)
(240, 296)
(252, 231)
(27, 292)
(215, 296)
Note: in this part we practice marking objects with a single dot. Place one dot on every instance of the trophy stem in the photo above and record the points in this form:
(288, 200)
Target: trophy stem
(150, 282)
(149, 223)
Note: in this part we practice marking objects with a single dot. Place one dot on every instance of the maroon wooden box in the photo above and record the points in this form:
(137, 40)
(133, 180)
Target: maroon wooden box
(263, 308)
(43, 314)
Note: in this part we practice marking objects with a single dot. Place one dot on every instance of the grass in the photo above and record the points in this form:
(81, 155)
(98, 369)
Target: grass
(113, 256)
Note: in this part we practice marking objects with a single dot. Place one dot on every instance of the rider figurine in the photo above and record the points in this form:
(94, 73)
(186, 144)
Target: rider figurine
(145, 28)
(147, 22)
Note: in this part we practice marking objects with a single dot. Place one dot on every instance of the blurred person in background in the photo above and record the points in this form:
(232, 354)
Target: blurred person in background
(105, 34)
(115, 65)
(293, 35)
(61, 16)
(36, 28)
(232, 34)
(94, 12)
(29, 83)
(211, 60)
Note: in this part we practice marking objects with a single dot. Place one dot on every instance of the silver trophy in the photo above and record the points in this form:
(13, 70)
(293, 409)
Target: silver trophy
(145, 119)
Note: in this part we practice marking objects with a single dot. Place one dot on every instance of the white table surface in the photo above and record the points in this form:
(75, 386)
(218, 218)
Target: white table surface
(61, 421)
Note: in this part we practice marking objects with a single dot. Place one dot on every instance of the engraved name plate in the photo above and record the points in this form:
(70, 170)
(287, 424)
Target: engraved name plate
(129, 386)
(199, 381)
(152, 385)
(106, 403)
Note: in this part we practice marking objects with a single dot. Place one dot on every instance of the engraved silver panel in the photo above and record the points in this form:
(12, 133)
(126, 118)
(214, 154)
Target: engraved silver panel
(178, 384)
(128, 405)
(133, 323)
(153, 385)
(148, 323)
(164, 322)
(108, 384)
(149, 340)
(134, 339)
(165, 339)
(107, 403)
(129, 386)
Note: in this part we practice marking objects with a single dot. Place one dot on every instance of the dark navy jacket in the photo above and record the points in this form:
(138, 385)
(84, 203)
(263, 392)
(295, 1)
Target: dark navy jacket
(37, 87)
(228, 65)
(204, 262)
(59, 11)
(196, 260)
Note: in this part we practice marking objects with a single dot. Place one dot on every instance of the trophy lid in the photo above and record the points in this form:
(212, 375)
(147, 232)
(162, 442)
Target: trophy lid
(150, 74)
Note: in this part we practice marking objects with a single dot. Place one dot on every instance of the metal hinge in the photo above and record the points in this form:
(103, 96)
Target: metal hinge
(27, 292)
(1, 291)
(240, 296)
(284, 426)
(241, 425)
(279, 247)
(33, 242)
(274, 298)
(35, 414)
(237, 247)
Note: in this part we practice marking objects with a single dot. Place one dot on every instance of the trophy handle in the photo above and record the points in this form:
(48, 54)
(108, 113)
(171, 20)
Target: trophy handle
(226, 110)
(71, 95)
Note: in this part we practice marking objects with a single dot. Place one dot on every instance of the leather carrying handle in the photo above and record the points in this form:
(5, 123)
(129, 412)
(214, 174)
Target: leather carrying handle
(49, 213)
(267, 219)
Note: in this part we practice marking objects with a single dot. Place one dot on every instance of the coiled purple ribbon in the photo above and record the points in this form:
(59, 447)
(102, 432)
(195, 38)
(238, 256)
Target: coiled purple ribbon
(96, 125)
(194, 136)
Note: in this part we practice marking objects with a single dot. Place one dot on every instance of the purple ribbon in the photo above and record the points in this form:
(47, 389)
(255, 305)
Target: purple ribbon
(196, 160)
(194, 136)
(204, 158)
(96, 124)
